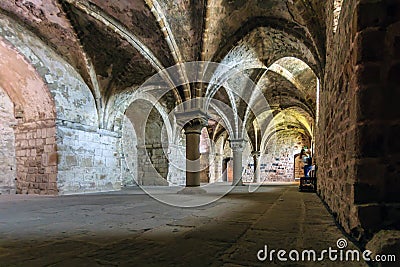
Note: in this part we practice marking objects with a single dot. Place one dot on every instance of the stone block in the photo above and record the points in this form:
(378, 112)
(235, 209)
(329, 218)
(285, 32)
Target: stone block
(86, 162)
(50, 140)
(51, 132)
(52, 159)
(71, 160)
(49, 148)
(372, 14)
(369, 45)
(370, 139)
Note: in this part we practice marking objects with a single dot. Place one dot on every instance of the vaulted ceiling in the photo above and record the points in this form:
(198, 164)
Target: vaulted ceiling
(118, 44)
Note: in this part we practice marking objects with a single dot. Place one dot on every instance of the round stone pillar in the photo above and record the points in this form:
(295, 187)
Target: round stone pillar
(193, 132)
(192, 122)
(256, 159)
(237, 147)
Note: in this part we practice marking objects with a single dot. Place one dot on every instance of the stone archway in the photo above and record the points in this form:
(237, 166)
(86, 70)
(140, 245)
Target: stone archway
(32, 115)
(148, 129)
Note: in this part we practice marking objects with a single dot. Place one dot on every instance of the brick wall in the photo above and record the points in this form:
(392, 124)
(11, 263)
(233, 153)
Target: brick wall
(36, 157)
(357, 141)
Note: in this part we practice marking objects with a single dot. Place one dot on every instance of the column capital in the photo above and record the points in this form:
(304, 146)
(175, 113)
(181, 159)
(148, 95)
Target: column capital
(192, 121)
(195, 126)
(238, 144)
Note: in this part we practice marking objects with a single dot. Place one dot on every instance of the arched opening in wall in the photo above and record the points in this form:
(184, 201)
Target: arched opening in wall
(7, 145)
(280, 144)
(216, 161)
(277, 160)
(34, 127)
(337, 8)
(149, 133)
(295, 108)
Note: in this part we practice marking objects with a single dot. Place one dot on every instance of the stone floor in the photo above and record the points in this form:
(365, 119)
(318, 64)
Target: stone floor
(130, 228)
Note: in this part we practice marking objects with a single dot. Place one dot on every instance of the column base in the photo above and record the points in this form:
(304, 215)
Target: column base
(192, 190)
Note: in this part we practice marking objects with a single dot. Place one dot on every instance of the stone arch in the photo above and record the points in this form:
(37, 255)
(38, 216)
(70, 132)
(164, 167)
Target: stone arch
(76, 118)
(34, 128)
(151, 142)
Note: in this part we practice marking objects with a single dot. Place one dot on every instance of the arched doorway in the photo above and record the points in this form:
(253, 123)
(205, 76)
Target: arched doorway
(29, 109)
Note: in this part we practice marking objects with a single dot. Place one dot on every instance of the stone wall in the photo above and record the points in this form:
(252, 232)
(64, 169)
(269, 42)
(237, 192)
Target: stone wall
(88, 160)
(177, 165)
(36, 156)
(158, 159)
(7, 145)
(357, 141)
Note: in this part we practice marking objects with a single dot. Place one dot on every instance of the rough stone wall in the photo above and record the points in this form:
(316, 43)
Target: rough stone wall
(336, 138)
(156, 139)
(88, 160)
(36, 156)
(7, 145)
(151, 165)
(177, 167)
(358, 151)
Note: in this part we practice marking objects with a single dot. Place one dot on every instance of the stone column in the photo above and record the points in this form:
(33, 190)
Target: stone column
(225, 170)
(237, 149)
(256, 159)
(193, 132)
(193, 167)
